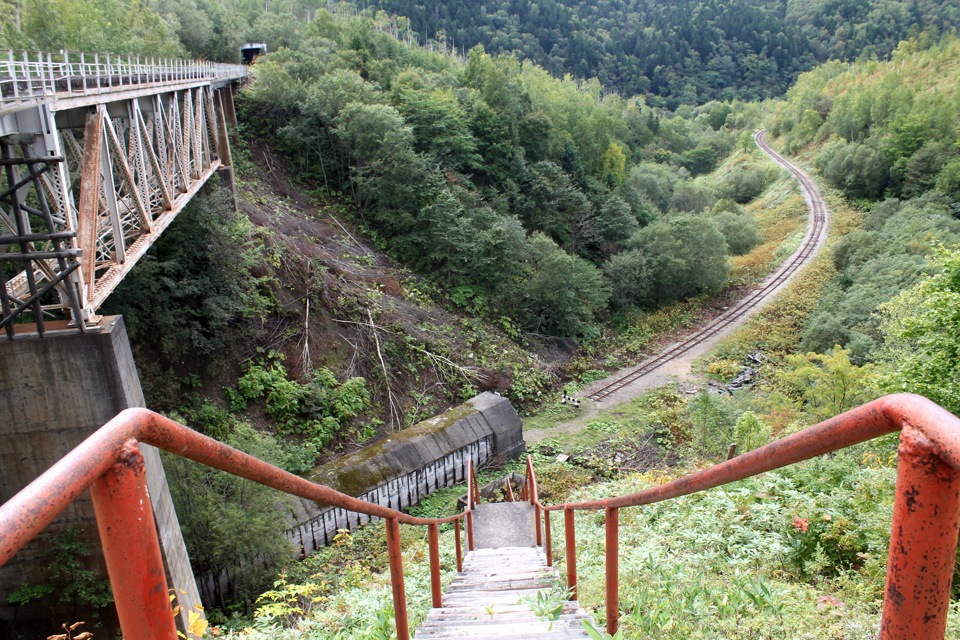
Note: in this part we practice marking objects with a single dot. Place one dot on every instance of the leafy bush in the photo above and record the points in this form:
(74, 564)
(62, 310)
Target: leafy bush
(684, 256)
(629, 279)
(859, 170)
(562, 294)
(318, 409)
(826, 385)
(744, 183)
(233, 528)
(921, 327)
(711, 421)
(875, 264)
(740, 232)
(750, 432)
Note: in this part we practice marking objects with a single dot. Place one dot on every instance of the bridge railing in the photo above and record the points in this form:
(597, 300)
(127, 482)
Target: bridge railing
(926, 516)
(28, 76)
(110, 465)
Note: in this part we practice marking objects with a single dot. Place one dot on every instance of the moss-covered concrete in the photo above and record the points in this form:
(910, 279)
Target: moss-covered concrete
(487, 418)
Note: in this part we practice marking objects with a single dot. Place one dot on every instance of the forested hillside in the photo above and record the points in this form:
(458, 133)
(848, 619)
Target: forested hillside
(800, 552)
(683, 52)
(516, 190)
(885, 134)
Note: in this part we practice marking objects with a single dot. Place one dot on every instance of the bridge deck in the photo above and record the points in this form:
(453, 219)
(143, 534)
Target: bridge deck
(70, 80)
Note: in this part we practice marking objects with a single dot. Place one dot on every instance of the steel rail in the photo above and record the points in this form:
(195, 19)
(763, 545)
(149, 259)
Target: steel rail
(109, 463)
(813, 237)
(926, 517)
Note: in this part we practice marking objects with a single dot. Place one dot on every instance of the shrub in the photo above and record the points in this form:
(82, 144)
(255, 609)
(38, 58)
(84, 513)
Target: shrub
(750, 432)
(711, 421)
(740, 232)
(318, 409)
(744, 184)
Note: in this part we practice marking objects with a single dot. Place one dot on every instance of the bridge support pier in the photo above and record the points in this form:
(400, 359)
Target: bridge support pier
(54, 392)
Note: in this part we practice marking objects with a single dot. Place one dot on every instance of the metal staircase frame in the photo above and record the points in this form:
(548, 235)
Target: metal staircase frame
(926, 517)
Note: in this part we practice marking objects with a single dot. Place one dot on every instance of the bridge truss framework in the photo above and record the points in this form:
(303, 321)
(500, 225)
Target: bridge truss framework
(97, 157)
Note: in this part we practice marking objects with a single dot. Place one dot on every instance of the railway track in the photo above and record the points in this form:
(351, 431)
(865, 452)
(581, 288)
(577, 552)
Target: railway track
(814, 238)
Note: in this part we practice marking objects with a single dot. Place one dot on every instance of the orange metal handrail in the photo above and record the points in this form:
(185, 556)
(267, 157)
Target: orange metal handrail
(110, 465)
(926, 516)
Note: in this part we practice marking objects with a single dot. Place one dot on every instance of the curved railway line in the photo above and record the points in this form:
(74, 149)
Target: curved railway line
(812, 241)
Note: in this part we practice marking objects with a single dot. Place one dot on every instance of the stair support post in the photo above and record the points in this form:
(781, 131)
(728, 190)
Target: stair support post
(571, 544)
(536, 519)
(612, 523)
(434, 544)
(396, 578)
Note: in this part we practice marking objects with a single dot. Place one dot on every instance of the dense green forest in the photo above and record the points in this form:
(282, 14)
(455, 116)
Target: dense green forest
(514, 188)
(800, 552)
(684, 52)
(680, 52)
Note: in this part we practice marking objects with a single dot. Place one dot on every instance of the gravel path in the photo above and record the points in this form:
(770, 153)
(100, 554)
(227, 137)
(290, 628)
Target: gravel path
(675, 362)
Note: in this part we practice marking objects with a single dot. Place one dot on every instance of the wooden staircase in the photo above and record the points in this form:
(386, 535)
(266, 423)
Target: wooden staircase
(497, 593)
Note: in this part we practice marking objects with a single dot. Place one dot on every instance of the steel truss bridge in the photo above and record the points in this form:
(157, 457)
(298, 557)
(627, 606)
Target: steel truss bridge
(98, 155)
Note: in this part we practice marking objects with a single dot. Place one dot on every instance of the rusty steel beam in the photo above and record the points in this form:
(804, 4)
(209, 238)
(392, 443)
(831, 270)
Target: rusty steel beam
(548, 540)
(923, 542)
(28, 512)
(141, 158)
(459, 545)
(88, 209)
(570, 540)
(123, 512)
(396, 578)
(612, 561)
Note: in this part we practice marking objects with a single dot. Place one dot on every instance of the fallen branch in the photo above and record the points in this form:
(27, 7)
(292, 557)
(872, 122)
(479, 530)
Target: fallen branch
(386, 375)
(470, 374)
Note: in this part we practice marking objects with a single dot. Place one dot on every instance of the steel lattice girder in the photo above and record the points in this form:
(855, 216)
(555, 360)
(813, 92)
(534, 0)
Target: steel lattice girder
(130, 166)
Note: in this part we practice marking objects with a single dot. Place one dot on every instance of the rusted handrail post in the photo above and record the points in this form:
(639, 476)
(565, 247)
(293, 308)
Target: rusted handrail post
(923, 544)
(469, 530)
(131, 548)
(571, 548)
(470, 503)
(509, 490)
(534, 499)
(434, 543)
(396, 578)
(547, 539)
(612, 525)
(459, 545)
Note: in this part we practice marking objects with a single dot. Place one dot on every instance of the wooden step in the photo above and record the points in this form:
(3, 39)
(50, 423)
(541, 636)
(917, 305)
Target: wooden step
(487, 600)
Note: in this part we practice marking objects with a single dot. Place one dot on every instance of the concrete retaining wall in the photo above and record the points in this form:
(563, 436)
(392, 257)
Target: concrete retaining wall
(54, 392)
(400, 470)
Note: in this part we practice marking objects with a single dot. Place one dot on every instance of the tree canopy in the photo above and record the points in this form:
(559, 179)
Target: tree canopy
(921, 326)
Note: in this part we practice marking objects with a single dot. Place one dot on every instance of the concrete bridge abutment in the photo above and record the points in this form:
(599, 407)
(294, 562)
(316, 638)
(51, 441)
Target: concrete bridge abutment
(54, 392)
